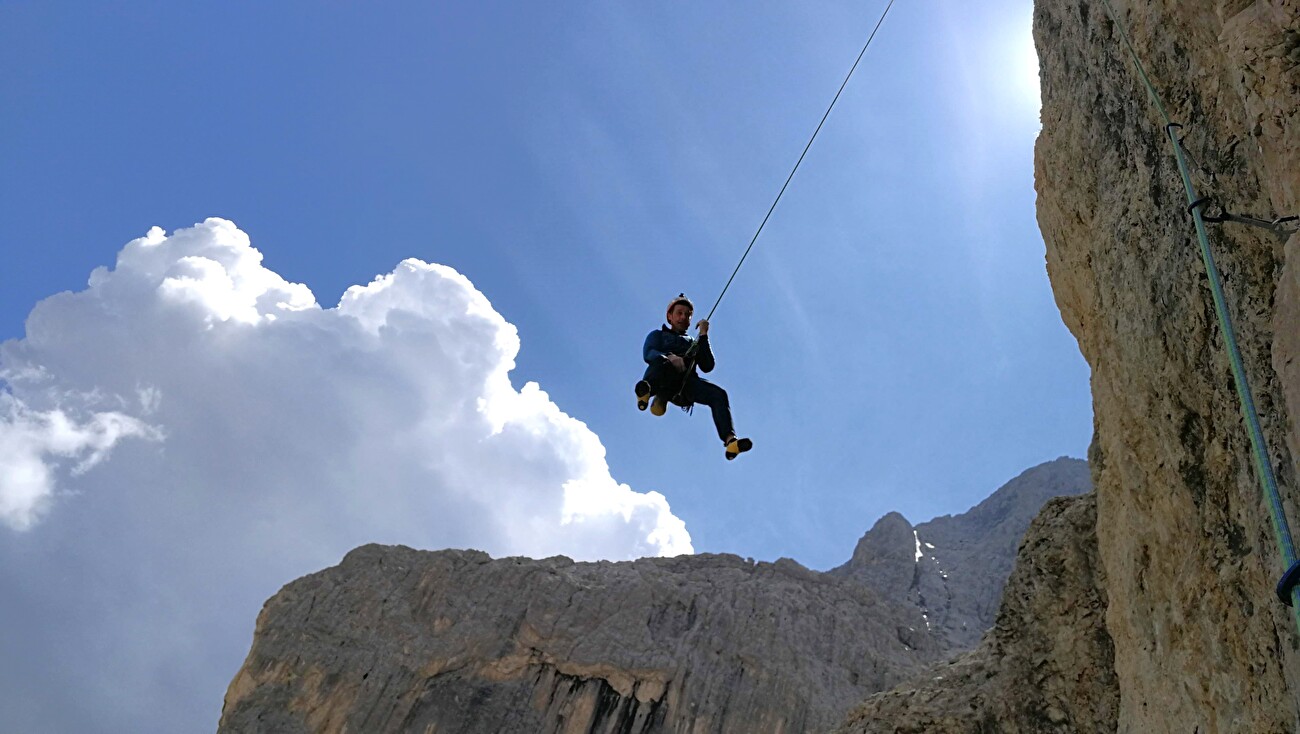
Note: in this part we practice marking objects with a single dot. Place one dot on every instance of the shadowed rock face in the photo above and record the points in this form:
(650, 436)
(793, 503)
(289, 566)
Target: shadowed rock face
(953, 568)
(396, 640)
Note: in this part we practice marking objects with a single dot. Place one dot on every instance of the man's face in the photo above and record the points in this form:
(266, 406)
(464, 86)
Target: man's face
(679, 318)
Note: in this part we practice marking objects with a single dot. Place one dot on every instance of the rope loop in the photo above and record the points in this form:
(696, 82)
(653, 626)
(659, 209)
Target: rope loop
(1286, 585)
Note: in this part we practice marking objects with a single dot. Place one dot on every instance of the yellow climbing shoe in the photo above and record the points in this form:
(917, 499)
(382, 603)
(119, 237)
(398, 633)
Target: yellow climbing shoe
(659, 406)
(738, 446)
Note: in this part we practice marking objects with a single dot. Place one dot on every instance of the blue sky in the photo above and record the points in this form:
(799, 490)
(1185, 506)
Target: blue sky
(891, 343)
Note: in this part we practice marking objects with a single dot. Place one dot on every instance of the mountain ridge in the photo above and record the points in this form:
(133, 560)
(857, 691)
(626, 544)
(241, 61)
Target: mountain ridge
(395, 639)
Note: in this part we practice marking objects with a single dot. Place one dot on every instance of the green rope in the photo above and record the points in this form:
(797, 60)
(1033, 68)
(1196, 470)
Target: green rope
(1263, 466)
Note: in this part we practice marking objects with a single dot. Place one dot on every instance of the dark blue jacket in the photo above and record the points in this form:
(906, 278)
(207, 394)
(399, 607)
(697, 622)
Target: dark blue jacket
(665, 341)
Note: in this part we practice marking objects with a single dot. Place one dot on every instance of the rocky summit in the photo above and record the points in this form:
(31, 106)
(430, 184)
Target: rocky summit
(952, 568)
(1048, 663)
(399, 640)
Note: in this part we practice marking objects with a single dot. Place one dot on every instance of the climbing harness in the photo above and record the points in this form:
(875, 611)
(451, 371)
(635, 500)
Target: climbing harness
(690, 354)
(1288, 587)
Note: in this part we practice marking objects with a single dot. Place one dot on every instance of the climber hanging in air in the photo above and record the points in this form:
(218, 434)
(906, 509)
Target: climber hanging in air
(670, 376)
(672, 356)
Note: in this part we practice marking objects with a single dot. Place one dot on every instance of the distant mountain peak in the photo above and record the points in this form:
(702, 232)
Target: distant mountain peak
(977, 548)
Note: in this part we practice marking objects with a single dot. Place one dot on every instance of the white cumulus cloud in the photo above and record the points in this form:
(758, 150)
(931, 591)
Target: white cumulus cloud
(256, 436)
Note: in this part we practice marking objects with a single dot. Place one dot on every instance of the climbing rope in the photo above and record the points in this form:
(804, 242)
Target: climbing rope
(690, 354)
(801, 156)
(1287, 588)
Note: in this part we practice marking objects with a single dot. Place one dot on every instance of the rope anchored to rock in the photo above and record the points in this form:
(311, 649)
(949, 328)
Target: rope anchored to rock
(1281, 226)
(1215, 212)
(1288, 587)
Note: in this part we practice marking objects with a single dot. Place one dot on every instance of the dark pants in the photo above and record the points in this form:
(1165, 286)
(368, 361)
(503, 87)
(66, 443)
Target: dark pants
(666, 381)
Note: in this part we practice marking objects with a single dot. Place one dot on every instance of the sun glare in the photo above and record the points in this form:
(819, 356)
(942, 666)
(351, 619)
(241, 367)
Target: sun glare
(1026, 70)
(1011, 52)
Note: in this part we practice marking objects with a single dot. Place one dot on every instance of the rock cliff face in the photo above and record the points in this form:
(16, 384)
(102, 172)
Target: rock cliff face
(953, 568)
(1189, 557)
(1185, 559)
(397, 640)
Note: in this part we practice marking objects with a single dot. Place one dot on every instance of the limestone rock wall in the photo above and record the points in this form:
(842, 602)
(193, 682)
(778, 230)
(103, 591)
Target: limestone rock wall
(397, 640)
(1190, 561)
(1185, 560)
